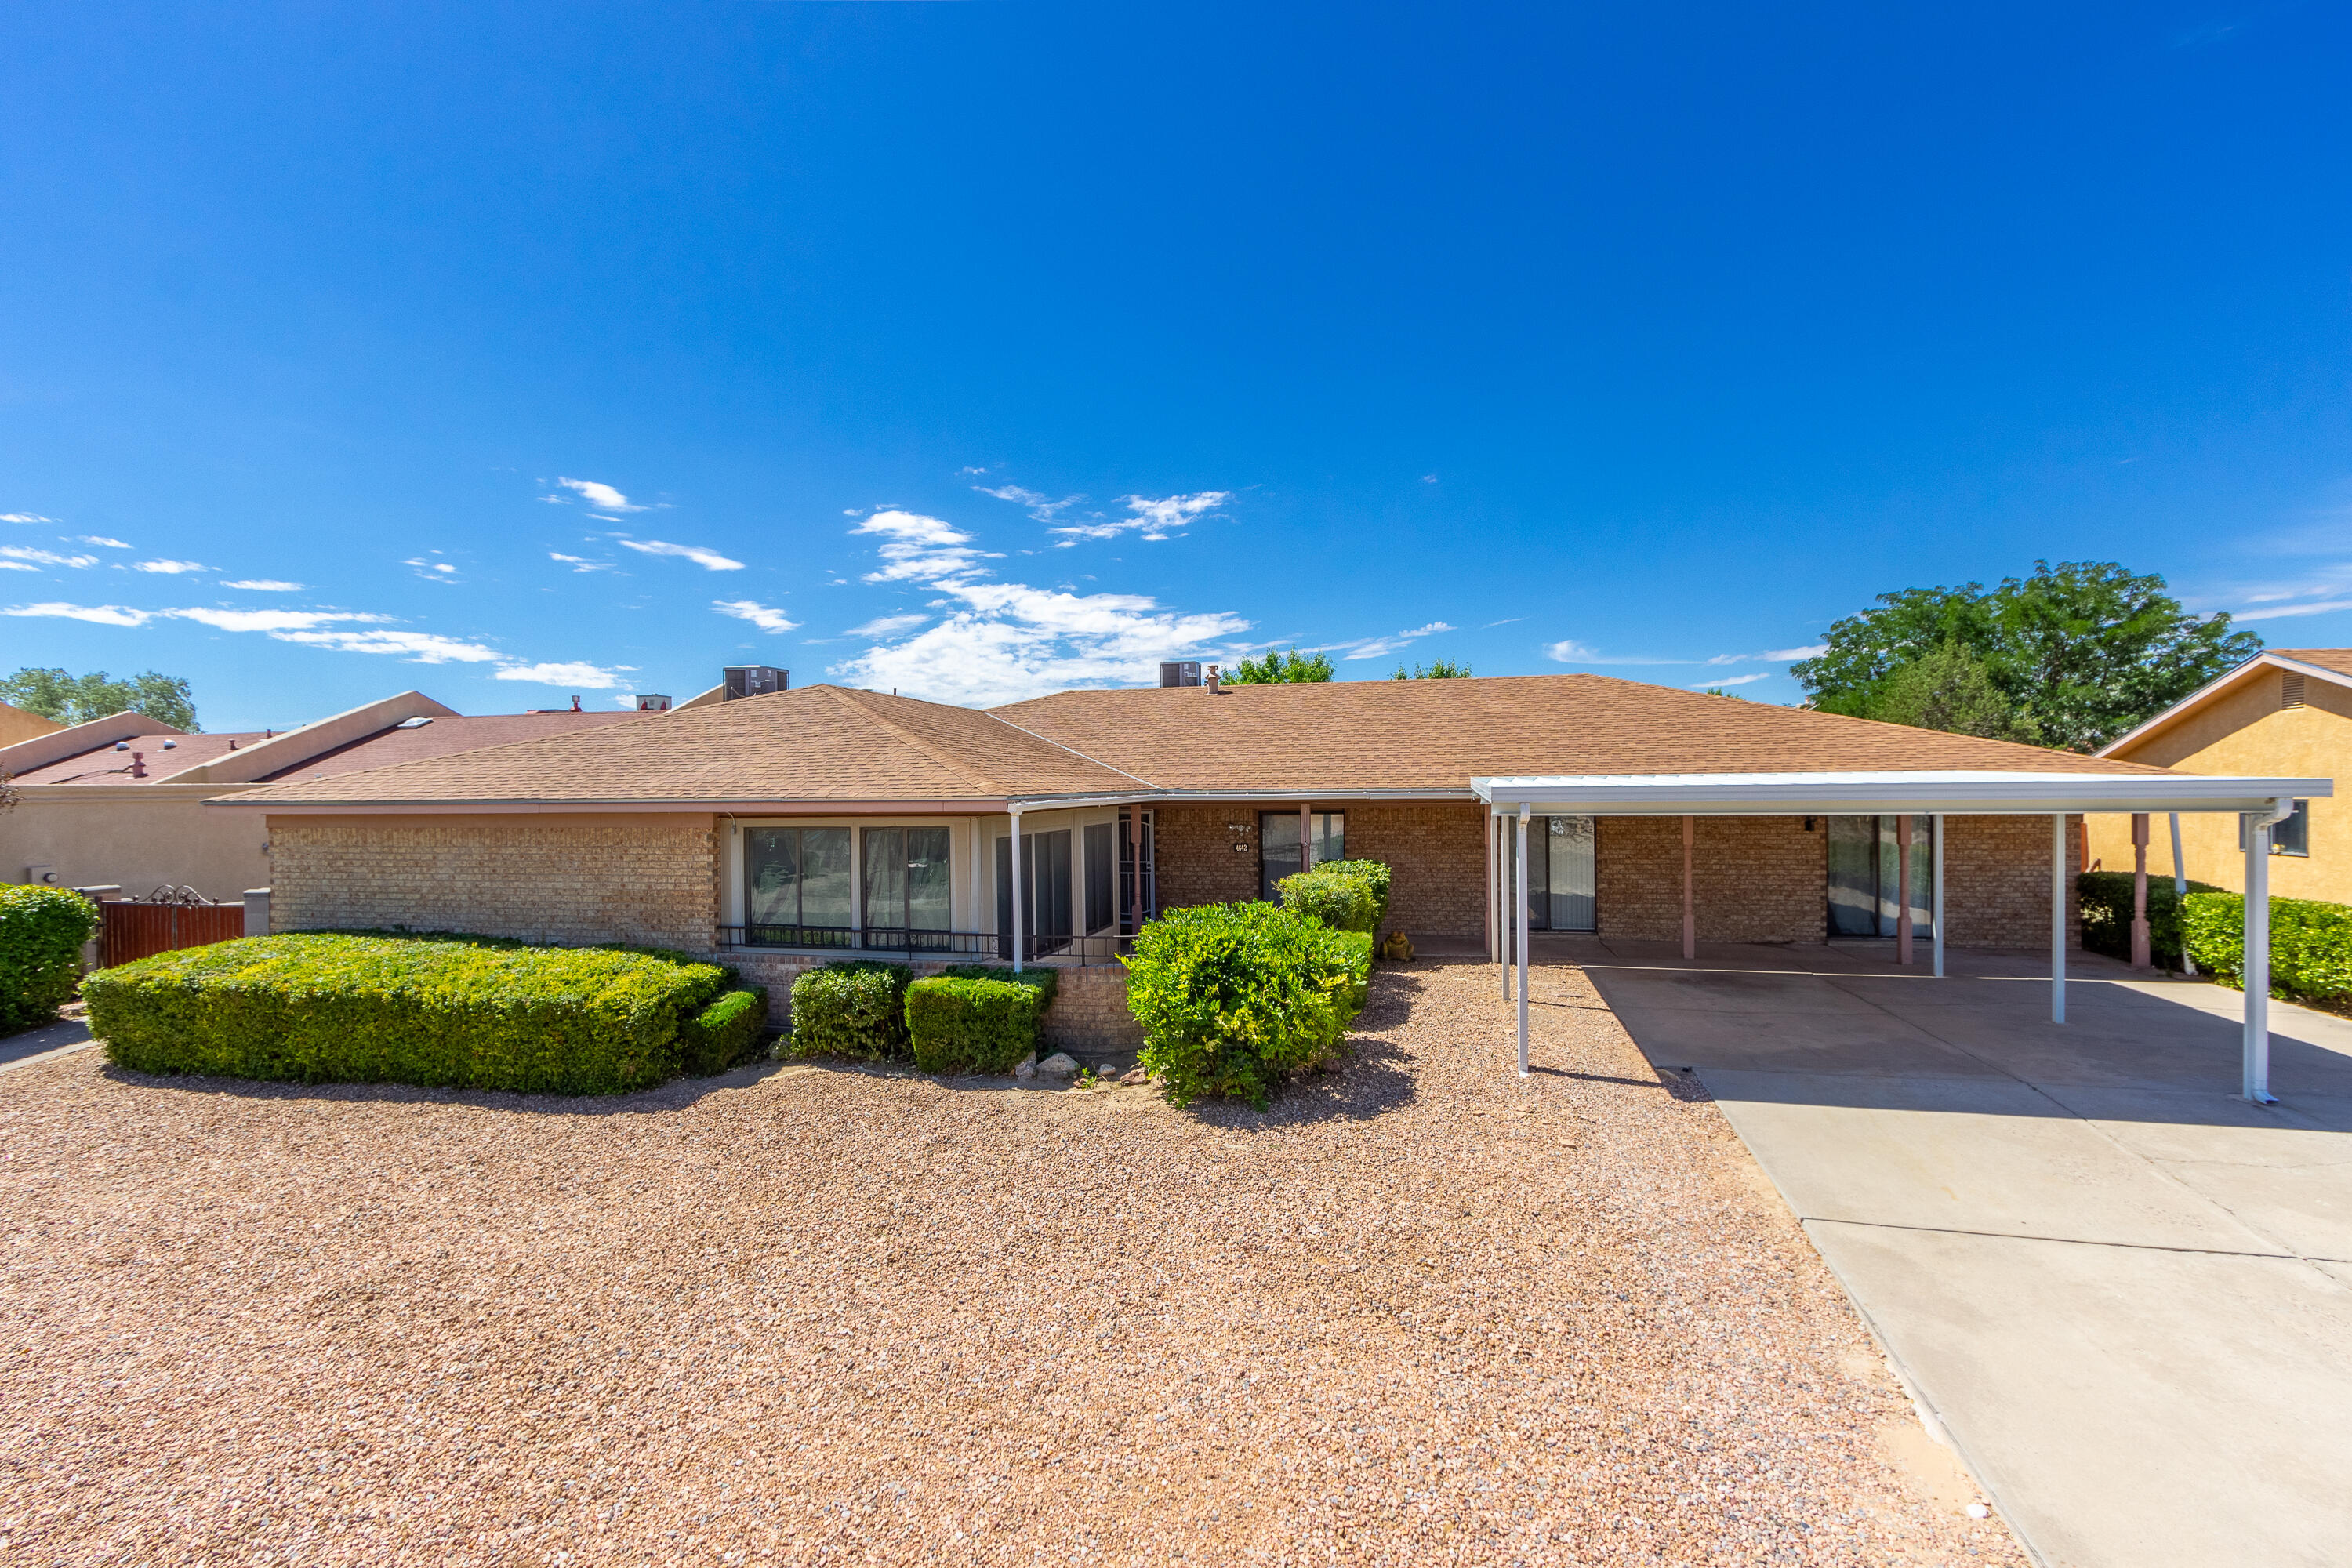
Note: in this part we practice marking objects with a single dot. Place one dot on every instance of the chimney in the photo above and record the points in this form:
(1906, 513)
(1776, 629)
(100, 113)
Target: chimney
(575, 705)
(1214, 680)
(138, 764)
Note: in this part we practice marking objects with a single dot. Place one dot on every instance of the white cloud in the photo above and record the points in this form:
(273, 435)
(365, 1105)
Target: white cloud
(268, 620)
(887, 626)
(2323, 608)
(598, 495)
(1732, 681)
(1155, 517)
(24, 517)
(170, 568)
(263, 585)
(708, 559)
(920, 549)
(589, 677)
(420, 647)
(1039, 507)
(761, 615)
(1790, 655)
(1570, 651)
(100, 539)
(16, 566)
(579, 563)
(99, 614)
(1375, 648)
(45, 557)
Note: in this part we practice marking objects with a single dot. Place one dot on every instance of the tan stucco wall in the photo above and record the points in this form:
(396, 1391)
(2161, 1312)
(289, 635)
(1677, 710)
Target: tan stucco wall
(2244, 732)
(138, 844)
(15, 725)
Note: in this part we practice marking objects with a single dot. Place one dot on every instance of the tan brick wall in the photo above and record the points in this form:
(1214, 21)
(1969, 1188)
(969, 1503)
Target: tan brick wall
(649, 879)
(1997, 881)
(1753, 878)
(1437, 858)
(1089, 1016)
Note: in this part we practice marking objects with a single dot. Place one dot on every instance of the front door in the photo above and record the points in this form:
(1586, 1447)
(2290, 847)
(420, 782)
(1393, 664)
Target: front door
(1559, 871)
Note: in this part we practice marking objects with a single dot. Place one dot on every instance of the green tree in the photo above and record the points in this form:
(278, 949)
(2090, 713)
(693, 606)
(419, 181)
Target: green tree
(1277, 666)
(2081, 652)
(79, 699)
(1441, 669)
(1950, 689)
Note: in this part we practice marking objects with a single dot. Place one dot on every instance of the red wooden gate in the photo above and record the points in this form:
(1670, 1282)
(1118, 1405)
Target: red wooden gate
(128, 931)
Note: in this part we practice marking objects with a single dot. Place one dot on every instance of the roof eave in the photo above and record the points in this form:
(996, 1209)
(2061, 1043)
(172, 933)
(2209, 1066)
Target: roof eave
(1832, 793)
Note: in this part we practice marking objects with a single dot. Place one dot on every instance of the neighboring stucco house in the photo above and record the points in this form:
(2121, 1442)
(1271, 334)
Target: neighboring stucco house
(2285, 711)
(785, 829)
(118, 801)
(15, 725)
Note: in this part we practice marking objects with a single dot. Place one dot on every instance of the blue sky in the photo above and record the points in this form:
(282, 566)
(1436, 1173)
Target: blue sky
(519, 351)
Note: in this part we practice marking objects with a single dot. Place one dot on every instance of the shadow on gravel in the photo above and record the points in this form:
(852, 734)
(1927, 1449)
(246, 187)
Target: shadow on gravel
(676, 1095)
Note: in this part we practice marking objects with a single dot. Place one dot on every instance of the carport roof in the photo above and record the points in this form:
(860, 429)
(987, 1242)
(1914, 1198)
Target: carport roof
(1958, 792)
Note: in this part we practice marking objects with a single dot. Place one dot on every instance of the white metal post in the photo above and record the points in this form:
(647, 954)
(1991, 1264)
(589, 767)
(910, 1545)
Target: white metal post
(1937, 829)
(1520, 895)
(2180, 891)
(2256, 972)
(2058, 920)
(1502, 901)
(1017, 910)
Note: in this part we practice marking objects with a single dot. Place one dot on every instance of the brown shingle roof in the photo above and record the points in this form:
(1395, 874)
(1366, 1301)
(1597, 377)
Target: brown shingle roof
(1439, 734)
(818, 743)
(2338, 659)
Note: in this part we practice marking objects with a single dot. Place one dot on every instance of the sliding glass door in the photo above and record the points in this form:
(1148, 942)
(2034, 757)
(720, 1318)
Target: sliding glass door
(1559, 871)
(797, 886)
(908, 904)
(1865, 857)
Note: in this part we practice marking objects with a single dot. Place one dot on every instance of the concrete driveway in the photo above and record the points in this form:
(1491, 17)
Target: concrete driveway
(2124, 1294)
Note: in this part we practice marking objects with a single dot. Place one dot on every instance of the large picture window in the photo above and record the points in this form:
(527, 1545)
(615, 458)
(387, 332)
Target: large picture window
(907, 897)
(1865, 858)
(796, 887)
(1559, 871)
(1277, 845)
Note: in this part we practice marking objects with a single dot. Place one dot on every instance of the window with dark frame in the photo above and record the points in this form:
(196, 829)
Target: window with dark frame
(796, 887)
(909, 902)
(2292, 836)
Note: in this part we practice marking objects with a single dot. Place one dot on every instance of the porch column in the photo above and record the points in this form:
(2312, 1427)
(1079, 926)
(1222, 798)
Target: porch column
(2180, 890)
(2139, 947)
(2256, 972)
(1017, 901)
(1503, 901)
(1521, 899)
(1494, 895)
(1902, 889)
(1937, 827)
(1306, 843)
(1690, 919)
(2058, 919)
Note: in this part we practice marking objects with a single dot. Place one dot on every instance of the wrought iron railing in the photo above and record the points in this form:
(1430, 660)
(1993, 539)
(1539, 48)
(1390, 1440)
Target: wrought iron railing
(917, 945)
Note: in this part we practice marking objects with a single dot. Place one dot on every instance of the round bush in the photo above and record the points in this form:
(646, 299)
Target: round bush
(41, 933)
(1233, 997)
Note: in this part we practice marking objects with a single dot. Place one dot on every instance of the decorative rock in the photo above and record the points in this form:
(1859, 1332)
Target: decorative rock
(1135, 1075)
(1027, 1066)
(1061, 1064)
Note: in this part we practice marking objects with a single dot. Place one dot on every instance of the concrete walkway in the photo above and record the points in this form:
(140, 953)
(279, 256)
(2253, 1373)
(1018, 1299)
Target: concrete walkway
(2126, 1294)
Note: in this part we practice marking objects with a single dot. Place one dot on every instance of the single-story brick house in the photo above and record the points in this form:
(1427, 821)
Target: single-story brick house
(785, 829)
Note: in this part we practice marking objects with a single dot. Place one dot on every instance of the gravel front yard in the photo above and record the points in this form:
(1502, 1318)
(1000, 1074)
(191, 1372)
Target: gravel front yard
(1420, 1312)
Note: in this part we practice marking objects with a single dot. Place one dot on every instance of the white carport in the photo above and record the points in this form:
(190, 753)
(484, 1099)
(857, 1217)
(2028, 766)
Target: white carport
(2262, 802)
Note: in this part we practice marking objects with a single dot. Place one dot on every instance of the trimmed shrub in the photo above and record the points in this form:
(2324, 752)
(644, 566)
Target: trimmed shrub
(723, 1034)
(41, 933)
(1235, 997)
(1339, 901)
(1048, 980)
(440, 1011)
(2311, 943)
(976, 1018)
(1373, 874)
(2106, 898)
(856, 1008)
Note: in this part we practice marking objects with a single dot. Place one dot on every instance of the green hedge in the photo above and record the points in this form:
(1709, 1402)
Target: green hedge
(977, 1018)
(2106, 903)
(41, 933)
(856, 1008)
(724, 1034)
(1339, 901)
(1233, 997)
(1374, 875)
(442, 1011)
(2311, 943)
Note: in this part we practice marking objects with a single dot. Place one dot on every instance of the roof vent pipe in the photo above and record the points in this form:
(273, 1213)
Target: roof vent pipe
(1214, 680)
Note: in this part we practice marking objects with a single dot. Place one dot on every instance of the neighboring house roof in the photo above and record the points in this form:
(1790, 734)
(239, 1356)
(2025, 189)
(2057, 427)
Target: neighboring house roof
(820, 744)
(438, 737)
(828, 743)
(2333, 665)
(103, 764)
